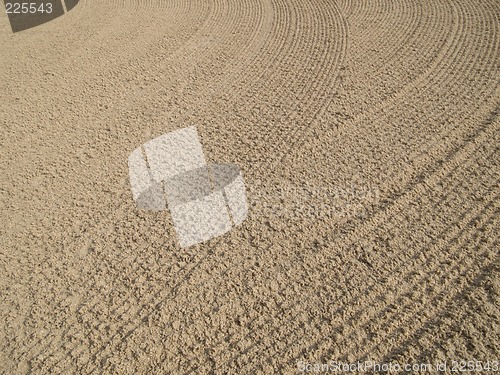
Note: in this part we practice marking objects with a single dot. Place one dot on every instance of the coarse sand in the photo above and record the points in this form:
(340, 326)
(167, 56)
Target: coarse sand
(367, 133)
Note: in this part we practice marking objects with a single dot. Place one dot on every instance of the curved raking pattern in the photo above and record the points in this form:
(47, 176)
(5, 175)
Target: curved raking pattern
(393, 92)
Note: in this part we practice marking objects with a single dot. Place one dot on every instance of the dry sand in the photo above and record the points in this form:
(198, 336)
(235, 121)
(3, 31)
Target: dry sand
(368, 135)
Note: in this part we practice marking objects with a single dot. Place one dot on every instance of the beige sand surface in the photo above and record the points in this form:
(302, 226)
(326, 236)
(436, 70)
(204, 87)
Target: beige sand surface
(368, 135)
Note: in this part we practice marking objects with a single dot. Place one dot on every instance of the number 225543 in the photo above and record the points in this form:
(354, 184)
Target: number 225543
(28, 8)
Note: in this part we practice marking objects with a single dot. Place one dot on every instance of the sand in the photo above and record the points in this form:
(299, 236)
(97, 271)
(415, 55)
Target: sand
(367, 133)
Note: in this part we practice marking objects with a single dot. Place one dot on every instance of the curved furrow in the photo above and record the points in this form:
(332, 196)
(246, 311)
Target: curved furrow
(443, 328)
(406, 27)
(369, 297)
(473, 42)
(411, 133)
(387, 321)
(327, 347)
(455, 35)
(74, 10)
(308, 93)
(291, 320)
(236, 51)
(288, 53)
(68, 68)
(392, 266)
(462, 270)
(219, 80)
(444, 89)
(385, 79)
(248, 56)
(434, 72)
(104, 21)
(380, 26)
(275, 62)
(185, 118)
(213, 22)
(487, 135)
(233, 17)
(323, 81)
(209, 43)
(353, 120)
(270, 79)
(273, 78)
(347, 7)
(459, 265)
(380, 221)
(490, 129)
(413, 35)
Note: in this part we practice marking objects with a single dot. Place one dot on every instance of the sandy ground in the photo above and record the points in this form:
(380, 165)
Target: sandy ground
(368, 135)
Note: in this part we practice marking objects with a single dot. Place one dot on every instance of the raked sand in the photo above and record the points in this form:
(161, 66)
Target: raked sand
(367, 133)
